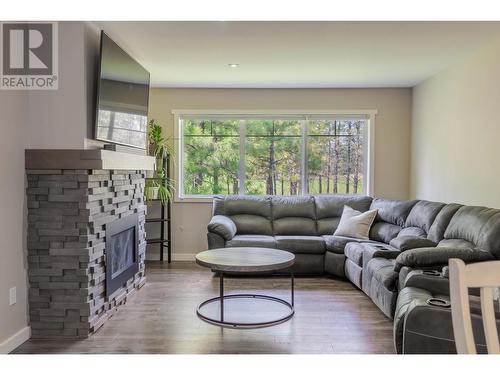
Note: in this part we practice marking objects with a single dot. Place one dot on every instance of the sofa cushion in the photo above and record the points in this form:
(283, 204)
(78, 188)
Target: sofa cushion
(336, 244)
(294, 215)
(329, 209)
(355, 224)
(392, 211)
(301, 244)
(301, 226)
(257, 240)
(490, 235)
(422, 214)
(242, 204)
(252, 224)
(438, 227)
(404, 243)
(327, 225)
(384, 232)
(467, 223)
(295, 206)
(478, 225)
(252, 215)
(333, 205)
(412, 231)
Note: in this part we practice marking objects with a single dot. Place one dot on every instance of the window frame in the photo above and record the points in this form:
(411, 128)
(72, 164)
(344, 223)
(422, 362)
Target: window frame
(305, 116)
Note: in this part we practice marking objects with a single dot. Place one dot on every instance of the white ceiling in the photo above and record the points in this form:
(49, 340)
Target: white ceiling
(298, 54)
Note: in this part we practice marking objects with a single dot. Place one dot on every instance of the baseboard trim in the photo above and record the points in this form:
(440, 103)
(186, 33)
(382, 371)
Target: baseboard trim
(183, 257)
(15, 340)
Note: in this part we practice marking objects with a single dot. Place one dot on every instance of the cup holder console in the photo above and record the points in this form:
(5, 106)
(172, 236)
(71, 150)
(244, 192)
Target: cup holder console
(431, 273)
(438, 302)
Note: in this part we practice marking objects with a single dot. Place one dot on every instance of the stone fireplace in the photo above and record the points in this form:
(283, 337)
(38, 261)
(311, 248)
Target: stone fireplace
(86, 237)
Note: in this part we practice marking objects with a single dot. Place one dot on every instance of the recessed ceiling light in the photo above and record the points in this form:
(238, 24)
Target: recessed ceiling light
(233, 65)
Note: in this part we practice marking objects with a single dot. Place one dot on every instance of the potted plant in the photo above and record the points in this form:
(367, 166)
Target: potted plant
(158, 185)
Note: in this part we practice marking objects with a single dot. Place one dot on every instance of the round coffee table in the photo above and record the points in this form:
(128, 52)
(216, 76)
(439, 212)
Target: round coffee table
(244, 260)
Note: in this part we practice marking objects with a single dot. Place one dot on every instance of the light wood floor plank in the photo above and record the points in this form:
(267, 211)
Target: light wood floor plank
(332, 316)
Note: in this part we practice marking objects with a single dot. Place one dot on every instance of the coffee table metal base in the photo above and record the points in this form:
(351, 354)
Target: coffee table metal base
(241, 325)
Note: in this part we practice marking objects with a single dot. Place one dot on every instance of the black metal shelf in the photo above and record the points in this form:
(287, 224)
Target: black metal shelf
(164, 242)
(156, 220)
(157, 240)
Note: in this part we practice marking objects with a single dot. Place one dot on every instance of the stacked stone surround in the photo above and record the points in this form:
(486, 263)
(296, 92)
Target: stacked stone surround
(67, 215)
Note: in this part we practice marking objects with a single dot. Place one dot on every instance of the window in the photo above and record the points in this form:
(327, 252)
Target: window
(335, 156)
(258, 154)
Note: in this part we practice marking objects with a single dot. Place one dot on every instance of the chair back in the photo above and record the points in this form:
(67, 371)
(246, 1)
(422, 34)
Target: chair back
(486, 277)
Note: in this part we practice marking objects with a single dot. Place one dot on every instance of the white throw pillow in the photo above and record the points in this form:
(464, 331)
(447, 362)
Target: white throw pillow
(355, 224)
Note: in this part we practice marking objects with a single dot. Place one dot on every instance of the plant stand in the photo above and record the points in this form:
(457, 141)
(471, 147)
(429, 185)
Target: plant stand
(165, 242)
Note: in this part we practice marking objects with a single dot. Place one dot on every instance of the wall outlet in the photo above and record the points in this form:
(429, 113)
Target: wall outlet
(12, 296)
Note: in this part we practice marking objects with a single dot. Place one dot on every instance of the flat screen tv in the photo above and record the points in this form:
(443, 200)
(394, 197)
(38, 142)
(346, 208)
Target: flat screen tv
(122, 97)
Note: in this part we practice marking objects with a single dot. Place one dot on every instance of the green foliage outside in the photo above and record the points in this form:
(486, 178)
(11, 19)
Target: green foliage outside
(272, 157)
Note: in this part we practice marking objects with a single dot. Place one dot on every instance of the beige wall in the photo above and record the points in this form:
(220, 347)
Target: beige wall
(12, 270)
(39, 119)
(63, 118)
(392, 137)
(456, 132)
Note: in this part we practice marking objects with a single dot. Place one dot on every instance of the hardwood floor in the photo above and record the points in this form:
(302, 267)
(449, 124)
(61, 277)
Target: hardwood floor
(332, 316)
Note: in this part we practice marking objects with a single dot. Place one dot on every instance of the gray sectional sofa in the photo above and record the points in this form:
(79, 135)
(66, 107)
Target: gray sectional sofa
(406, 238)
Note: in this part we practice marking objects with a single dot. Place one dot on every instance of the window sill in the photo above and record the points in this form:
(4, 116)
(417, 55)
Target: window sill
(209, 199)
(203, 199)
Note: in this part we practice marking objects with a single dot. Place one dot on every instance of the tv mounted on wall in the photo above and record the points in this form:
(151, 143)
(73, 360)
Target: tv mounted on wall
(122, 97)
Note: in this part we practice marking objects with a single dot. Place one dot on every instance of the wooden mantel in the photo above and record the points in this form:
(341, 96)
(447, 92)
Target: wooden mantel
(86, 159)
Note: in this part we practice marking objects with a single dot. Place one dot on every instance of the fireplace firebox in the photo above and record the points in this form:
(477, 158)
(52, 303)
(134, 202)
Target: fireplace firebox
(122, 252)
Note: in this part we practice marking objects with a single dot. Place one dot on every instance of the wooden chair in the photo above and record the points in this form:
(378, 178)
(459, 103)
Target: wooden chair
(483, 275)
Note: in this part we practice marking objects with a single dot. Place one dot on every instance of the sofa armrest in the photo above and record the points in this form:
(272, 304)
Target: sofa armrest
(434, 256)
(215, 241)
(404, 243)
(223, 226)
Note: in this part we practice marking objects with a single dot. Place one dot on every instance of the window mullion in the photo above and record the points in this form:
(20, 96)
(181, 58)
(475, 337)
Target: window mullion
(241, 169)
(180, 180)
(304, 188)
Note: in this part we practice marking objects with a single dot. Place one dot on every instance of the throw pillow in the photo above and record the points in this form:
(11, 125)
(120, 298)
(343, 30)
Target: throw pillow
(355, 224)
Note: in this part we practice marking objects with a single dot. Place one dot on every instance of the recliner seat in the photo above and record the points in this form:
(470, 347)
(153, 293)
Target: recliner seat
(406, 226)
(423, 328)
